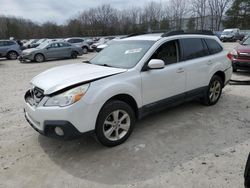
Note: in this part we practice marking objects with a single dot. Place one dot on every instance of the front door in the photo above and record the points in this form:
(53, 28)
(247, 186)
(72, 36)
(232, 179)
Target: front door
(160, 84)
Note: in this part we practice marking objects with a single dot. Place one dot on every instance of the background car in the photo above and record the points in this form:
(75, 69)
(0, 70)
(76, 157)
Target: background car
(51, 50)
(240, 56)
(29, 43)
(101, 41)
(9, 49)
(80, 42)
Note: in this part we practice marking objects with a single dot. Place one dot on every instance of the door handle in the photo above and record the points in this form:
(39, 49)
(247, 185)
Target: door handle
(180, 70)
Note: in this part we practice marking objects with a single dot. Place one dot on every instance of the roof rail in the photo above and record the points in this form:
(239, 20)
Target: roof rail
(144, 33)
(182, 32)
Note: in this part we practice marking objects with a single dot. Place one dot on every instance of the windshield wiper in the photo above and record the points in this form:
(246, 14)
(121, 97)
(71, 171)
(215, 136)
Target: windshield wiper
(86, 61)
(105, 65)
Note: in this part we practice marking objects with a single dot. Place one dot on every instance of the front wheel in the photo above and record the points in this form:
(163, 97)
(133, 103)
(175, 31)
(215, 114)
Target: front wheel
(115, 123)
(39, 58)
(214, 91)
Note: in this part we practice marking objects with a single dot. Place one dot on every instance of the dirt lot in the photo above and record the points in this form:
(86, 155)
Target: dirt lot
(186, 146)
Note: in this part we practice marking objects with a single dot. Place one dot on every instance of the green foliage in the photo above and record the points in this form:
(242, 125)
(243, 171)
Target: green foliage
(238, 15)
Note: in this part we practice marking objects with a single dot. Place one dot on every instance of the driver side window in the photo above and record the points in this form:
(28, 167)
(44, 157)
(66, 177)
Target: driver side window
(168, 52)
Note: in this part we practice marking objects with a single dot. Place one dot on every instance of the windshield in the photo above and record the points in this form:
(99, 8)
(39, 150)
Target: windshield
(43, 45)
(226, 32)
(122, 54)
(246, 42)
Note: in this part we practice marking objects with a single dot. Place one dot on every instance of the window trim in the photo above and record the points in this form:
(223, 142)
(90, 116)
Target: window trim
(183, 51)
(179, 54)
(210, 53)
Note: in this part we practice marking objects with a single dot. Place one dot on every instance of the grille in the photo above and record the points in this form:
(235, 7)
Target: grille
(35, 95)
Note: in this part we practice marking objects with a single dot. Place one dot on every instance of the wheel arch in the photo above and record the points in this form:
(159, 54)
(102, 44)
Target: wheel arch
(127, 99)
(222, 75)
(39, 53)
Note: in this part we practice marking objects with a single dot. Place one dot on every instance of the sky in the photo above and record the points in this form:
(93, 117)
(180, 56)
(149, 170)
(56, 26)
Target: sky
(58, 11)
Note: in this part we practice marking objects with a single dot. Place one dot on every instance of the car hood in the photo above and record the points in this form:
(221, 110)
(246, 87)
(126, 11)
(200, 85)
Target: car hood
(30, 50)
(61, 77)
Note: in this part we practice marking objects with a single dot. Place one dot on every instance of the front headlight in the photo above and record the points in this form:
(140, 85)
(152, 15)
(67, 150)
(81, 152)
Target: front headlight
(69, 97)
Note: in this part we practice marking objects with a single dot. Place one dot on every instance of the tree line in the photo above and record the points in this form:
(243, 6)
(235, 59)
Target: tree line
(107, 20)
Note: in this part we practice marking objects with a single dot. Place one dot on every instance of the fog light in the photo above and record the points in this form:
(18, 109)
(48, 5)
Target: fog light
(59, 131)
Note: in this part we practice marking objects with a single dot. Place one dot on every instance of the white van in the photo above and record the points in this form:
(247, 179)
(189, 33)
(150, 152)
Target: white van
(230, 35)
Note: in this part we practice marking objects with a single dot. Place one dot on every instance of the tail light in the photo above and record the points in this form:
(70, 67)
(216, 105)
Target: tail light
(229, 56)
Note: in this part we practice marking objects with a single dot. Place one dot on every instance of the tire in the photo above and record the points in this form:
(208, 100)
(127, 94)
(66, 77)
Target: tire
(73, 55)
(213, 92)
(85, 50)
(117, 114)
(39, 58)
(12, 55)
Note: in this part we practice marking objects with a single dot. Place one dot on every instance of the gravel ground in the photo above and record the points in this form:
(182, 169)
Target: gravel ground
(186, 146)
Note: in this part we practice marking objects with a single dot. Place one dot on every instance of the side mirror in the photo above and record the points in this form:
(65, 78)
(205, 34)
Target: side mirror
(156, 64)
(48, 48)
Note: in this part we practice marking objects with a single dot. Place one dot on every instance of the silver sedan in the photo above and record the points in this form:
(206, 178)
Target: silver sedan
(52, 50)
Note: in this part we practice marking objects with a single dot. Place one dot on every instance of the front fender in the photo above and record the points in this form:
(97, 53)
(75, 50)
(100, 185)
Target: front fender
(102, 90)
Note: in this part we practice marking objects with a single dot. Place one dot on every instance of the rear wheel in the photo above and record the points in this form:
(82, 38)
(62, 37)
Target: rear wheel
(214, 91)
(115, 123)
(73, 55)
(39, 58)
(12, 55)
(85, 50)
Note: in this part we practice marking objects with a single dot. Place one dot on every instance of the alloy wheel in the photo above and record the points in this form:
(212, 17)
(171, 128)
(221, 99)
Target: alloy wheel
(116, 125)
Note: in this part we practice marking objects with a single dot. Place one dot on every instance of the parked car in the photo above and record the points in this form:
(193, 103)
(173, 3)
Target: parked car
(52, 50)
(128, 80)
(29, 43)
(101, 41)
(105, 45)
(240, 56)
(80, 42)
(231, 35)
(247, 173)
(9, 49)
(37, 43)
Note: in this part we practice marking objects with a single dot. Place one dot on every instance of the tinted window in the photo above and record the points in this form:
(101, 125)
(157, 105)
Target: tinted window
(168, 52)
(193, 48)
(8, 43)
(54, 45)
(213, 46)
(1, 43)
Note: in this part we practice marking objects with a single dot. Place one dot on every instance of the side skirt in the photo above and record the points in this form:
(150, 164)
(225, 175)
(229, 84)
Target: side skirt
(171, 102)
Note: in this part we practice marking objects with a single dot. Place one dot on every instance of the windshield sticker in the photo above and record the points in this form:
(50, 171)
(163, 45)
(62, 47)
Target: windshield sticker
(132, 51)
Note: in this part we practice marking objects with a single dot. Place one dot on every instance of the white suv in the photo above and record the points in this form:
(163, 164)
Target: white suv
(126, 81)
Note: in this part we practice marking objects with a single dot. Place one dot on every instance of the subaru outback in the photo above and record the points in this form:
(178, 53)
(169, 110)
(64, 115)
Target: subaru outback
(129, 79)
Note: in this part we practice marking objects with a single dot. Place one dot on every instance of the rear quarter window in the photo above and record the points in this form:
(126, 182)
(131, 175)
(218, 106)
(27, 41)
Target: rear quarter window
(213, 46)
(193, 48)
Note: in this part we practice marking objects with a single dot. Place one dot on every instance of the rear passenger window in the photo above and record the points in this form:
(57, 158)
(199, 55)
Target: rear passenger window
(213, 46)
(193, 48)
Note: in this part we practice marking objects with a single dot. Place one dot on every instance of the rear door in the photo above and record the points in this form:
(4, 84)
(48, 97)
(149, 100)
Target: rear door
(196, 57)
(3, 48)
